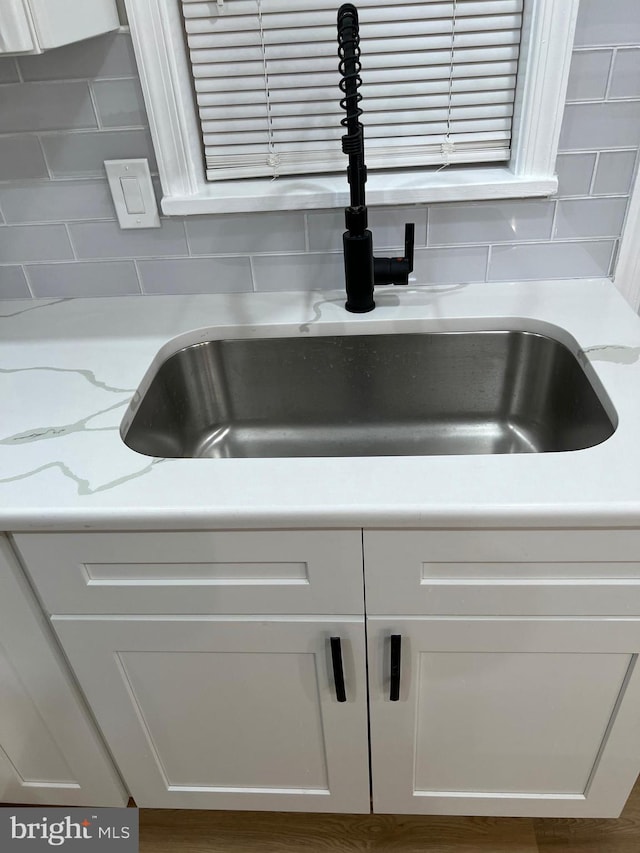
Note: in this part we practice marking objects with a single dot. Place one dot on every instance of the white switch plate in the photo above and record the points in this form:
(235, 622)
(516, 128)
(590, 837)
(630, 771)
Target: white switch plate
(133, 195)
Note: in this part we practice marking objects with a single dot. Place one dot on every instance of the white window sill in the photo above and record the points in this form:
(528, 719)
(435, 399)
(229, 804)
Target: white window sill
(329, 191)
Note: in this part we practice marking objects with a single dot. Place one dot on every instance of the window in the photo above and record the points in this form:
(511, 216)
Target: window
(439, 81)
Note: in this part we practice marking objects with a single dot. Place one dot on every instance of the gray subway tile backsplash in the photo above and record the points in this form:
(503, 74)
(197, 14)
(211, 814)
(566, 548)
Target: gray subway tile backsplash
(589, 75)
(21, 157)
(246, 233)
(93, 240)
(607, 22)
(119, 103)
(81, 104)
(73, 155)
(625, 75)
(13, 284)
(589, 217)
(586, 258)
(575, 173)
(490, 222)
(455, 265)
(612, 124)
(196, 275)
(56, 201)
(21, 243)
(111, 278)
(8, 70)
(614, 173)
(298, 272)
(46, 106)
(103, 57)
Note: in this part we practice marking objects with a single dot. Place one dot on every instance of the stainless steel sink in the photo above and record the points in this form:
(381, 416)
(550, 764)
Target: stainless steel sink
(371, 395)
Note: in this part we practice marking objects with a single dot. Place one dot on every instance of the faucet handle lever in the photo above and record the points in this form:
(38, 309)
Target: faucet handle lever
(396, 270)
(409, 240)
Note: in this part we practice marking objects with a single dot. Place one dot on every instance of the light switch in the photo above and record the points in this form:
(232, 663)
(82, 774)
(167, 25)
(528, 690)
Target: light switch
(132, 195)
(132, 191)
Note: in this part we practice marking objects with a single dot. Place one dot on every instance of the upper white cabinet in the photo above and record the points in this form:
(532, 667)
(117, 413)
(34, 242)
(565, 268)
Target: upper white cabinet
(32, 26)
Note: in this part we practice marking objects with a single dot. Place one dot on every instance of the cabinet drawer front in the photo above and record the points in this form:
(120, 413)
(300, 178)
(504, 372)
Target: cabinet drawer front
(270, 572)
(522, 572)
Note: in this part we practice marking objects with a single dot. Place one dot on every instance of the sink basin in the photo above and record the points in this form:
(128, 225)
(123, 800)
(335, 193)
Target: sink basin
(370, 395)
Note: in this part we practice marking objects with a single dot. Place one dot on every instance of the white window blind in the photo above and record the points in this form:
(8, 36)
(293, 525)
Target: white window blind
(438, 85)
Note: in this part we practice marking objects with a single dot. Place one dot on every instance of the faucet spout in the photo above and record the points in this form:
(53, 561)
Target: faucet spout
(362, 270)
(350, 82)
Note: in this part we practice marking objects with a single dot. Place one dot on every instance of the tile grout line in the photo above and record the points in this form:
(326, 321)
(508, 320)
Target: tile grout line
(554, 220)
(139, 277)
(44, 157)
(306, 231)
(607, 88)
(594, 174)
(25, 270)
(94, 105)
(253, 275)
(73, 248)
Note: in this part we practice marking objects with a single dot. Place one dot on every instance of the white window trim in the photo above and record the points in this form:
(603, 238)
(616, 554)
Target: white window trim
(627, 272)
(156, 29)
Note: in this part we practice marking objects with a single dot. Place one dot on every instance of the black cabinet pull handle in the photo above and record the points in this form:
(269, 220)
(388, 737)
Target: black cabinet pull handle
(396, 654)
(338, 672)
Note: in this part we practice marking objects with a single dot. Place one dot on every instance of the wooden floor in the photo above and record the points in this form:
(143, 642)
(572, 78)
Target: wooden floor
(178, 831)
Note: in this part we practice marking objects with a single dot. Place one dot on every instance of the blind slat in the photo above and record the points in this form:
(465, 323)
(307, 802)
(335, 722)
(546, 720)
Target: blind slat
(439, 16)
(379, 148)
(464, 75)
(387, 62)
(502, 26)
(432, 8)
(309, 134)
(308, 50)
(466, 91)
(379, 111)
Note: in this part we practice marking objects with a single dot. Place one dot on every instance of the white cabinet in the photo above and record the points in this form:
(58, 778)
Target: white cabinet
(206, 660)
(228, 713)
(50, 752)
(32, 26)
(505, 717)
(519, 692)
(214, 685)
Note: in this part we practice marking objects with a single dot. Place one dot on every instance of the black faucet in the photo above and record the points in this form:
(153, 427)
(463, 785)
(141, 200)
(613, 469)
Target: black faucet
(362, 271)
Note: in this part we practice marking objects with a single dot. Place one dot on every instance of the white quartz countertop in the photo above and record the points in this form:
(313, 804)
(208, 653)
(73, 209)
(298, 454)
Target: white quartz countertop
(69, 368)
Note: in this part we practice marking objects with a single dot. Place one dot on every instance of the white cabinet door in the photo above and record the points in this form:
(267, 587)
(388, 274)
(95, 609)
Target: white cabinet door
(228, 712)
(50, 752)
(505, 716)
